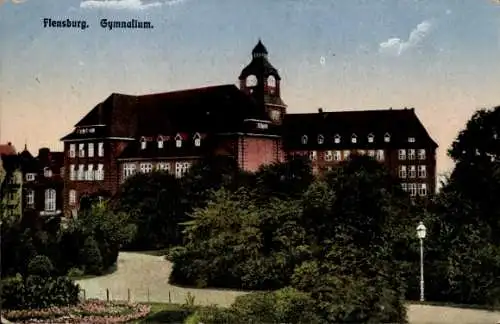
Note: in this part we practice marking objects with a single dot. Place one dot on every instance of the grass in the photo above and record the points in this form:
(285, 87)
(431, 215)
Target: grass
(167, 313)
(108, 271)
(448, 304)
(160, 252)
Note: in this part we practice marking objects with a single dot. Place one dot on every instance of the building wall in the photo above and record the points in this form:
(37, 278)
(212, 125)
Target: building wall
(256, 151)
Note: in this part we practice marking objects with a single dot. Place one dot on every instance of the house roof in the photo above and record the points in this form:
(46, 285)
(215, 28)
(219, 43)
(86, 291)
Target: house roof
(7, 149)
(217, 108)
(398, 123)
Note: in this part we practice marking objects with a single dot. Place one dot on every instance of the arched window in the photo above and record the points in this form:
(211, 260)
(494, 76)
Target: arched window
(371, 138)
(143, 143)
(160, 142)
(50, 200)
(321, 139)
(178, 141)
(271, 81)
(336, 139)
(197, 140)
(304, 139)
(387, 138)
(354, 138)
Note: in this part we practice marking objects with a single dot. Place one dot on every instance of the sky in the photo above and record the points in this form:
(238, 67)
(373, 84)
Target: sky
(439, 56)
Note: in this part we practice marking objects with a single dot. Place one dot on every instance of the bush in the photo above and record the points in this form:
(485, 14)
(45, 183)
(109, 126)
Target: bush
(41, 266)
(12, 292)
(75, 273)
(90, 256)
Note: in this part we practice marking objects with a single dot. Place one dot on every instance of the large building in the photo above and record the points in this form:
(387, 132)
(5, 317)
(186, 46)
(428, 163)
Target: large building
(170, 131)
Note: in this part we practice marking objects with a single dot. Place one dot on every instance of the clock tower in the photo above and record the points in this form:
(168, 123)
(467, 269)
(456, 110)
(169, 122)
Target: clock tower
(262, 81)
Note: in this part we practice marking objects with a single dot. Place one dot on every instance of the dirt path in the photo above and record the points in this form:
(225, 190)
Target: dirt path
(147, 278)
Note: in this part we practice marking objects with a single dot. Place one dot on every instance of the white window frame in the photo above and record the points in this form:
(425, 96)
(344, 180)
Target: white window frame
(387, 138)
(72, 150)
(371, 153)
(412, 171)
(50, 200)
(361, 152)
(404, 186)
(421, 154)
(197, 139)
(47, 172)
(160, 142)
(321, 139)
(30, 197)
(72, 172)
(99, 175)
(146, 167)
(129, 170)
(354, 138)
(328, 156)
(402, 172)
(181, 168)
(100, 149)
(72, 197)
(304, 139)
(337, 156)
(401, 154)
(143, 143)
(81, 150)
(412, 188)
(346, 154)
(336, 139)
(422, 189)
(422, 171)
(178, 141)
(163, 166)
(371, 138)
(89, 174)
(411, 154)
(411, 139)
(90, 148)
(81, 172)
(30, 176)
(313, 155)
(380, 155)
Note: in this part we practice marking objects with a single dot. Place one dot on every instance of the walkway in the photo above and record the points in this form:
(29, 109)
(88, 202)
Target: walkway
(146, 277)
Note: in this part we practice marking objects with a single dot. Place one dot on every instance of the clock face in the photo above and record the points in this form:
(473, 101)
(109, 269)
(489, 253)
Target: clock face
(251, 81)
(275, 115)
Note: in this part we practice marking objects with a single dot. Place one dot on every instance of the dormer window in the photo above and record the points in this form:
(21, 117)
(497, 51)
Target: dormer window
(336, 139)
(197, 140)
(143, 143)
(160, 142)
(411, 139)
(354, 138)
(304, 139)
(321, 139)
(47, 173)
(30, 177)
(178, 141)
(371, 138)
(387, 138)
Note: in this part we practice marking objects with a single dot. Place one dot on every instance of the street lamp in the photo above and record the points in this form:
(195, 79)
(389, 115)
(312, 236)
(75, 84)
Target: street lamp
(421, 232)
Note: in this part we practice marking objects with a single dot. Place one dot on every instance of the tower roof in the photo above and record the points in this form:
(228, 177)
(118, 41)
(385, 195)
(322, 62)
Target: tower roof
(259, 49)
(259, 64)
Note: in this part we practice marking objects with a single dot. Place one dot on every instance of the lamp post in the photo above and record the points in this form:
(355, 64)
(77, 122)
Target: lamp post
(421, 232)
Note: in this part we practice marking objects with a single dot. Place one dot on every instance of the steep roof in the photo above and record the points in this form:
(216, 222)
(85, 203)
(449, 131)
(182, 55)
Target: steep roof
(398, 123)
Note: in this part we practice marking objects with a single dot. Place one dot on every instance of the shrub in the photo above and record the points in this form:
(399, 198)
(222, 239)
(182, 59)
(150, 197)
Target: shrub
(12, 292)
(90, 256)
(75, 273)
(41, 266)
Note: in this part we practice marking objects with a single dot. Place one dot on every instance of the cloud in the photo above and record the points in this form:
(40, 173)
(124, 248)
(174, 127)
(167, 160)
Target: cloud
(396, 46)
(126, 4)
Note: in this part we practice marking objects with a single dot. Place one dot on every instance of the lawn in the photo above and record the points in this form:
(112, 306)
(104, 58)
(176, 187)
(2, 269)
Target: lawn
(166, 313)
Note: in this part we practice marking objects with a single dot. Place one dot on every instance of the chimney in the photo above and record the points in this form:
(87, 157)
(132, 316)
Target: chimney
(320, 110)
(9, 143)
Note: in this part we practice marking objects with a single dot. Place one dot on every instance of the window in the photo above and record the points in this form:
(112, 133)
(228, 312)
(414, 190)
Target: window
(72, 150)
(100, 149)
(371, 138)
(197, 139)
(404, 186)
(422, 172)
(422, 189)
(91, 149)
(411, 154)
(89, 174)
(337, 156)
(402, 171)
(50, 200)
(313, 155)
(387, 138)
(421, 154)
(72, 172)
(361, 152)
(371, 153)
(380, 155)
(72, 197)
(178, 141)
(146, 167)
(402, 154)
(328, 156)
(30, 177)
(163, 166)
(304, 139)
(160, 142)
(99, 174)
(411, 139)
(412, 188)
(81, 150)
(346, 154)
(321, 139)
(143, 143)
(47, 173)
(30, 198)
(412, 171)
(181, 168)
(336, 139)
(354, 138)
(128, 170)
(81, 168)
